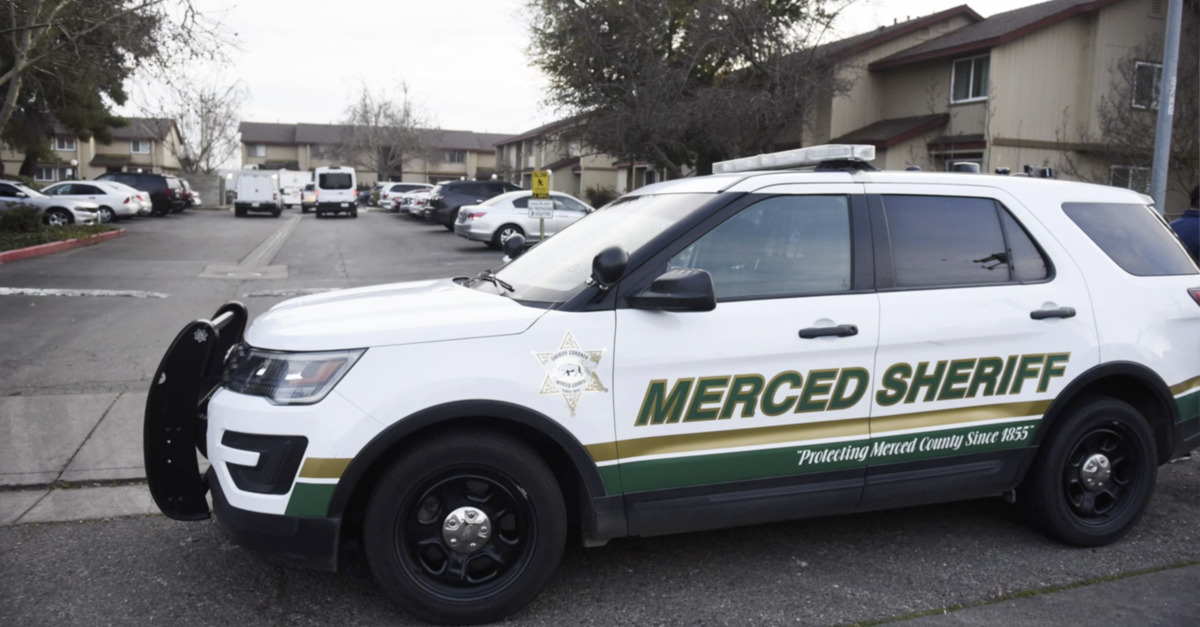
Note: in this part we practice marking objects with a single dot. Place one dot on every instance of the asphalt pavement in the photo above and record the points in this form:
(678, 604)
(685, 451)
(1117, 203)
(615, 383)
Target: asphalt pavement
(77, 459)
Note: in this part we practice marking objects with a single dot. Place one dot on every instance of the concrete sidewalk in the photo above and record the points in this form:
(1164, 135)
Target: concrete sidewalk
(67, 457)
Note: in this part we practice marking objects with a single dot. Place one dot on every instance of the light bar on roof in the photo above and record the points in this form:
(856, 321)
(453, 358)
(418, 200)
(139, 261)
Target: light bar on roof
(800, 157)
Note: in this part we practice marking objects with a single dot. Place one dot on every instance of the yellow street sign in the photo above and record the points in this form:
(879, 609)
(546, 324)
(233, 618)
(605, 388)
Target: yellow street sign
(540, 183)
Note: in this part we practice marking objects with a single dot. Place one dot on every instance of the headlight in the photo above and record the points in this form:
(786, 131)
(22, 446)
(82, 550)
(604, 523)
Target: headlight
(287, 378)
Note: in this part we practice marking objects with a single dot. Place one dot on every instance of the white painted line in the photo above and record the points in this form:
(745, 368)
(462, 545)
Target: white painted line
(33, 291)
(292, 292)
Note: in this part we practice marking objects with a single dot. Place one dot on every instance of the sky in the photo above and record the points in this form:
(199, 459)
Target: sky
(463, 61)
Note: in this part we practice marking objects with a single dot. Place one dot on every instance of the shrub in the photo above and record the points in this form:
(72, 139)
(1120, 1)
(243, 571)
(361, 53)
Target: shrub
(598, 195)
(21, 220)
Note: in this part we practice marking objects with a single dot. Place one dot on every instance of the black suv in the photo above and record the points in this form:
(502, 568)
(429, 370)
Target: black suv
(447, 197)
(166, 192)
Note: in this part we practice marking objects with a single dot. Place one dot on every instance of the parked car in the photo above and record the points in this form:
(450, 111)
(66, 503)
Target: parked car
(414, 203)
(447, 197)
(190, 198)
(166, 192)
(376, 190)
(364, 197)
(335, 191)
(742, 348)
(392, 192)
(55, 211)
(115, 200)
(498, 218)
(308, 197)
(257, 190)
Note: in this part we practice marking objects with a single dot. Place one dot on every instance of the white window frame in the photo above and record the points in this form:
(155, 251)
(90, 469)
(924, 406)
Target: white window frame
(257, 150)
(1131, 169)
(135, 144)
(456, 156)
(64, 143)
(39, 173)
(970, 78)
(1156, 87)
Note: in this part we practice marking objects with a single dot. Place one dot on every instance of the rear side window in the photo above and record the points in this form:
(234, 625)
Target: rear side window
(1132, 236)
(336, 180)
(942, 241)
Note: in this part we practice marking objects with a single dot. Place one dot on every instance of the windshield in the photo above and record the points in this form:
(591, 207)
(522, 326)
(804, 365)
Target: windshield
(29, 191)
(558, 268)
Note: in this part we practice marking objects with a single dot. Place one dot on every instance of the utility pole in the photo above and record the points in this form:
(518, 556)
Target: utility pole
(1166, 106)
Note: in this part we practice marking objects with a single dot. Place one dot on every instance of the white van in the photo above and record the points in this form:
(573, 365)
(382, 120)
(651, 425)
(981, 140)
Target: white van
(336, 191)
(257, 190)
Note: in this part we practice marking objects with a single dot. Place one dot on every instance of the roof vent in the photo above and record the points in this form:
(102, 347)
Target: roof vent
(969, 167)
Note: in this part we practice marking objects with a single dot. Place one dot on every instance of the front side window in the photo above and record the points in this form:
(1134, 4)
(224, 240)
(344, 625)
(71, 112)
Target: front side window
(64, 143)
(1130, 177)
(1146, 81)
(140, 146)
(946, 241)
(1133, 236)
(782, 246)
(969, 79)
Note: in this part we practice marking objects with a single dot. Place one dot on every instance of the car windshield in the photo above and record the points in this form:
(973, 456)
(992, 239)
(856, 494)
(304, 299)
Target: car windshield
(559, 267)
(29, 191)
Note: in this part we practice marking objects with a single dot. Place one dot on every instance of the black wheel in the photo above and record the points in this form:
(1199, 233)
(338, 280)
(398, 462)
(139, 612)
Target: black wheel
(1094, 474)
(276, 213)
(354, 213)
(107, 215)
(465, 528)
(303, 209)
(239, 212)
(57, 217)
(503, 233)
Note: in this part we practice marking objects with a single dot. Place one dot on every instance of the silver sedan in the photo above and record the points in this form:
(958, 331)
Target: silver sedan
(495, 220)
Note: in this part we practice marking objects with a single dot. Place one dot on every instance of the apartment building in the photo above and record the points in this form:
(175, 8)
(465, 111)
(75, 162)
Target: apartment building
(573, 169)
(147, 144)
(450, 155)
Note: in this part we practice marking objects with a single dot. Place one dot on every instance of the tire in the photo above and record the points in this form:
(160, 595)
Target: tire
(239, 212)
(303, 209)
(407, 532)
(503, 233)
(107, 215)
(57, 217)
(354, 213)
(276, 213)
(1094, 474)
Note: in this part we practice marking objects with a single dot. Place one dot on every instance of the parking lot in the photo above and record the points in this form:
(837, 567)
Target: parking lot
(81, 333)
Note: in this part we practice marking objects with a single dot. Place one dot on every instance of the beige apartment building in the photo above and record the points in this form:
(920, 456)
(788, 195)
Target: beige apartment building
(573, 170)
(1024, 87)
(452, 155)
(147, 144)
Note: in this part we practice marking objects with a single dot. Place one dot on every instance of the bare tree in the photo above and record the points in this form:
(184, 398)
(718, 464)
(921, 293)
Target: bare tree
(683, 83)
(383, 132)
(66, 61)
(207, 118)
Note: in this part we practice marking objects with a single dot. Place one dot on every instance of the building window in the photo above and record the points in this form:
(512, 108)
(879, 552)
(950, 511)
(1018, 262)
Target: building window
(1146, 79)
(969, 79)
(66, 174)
(43, 173)
(456, 156)
(258, 150)
(140, 147)
(1130, 177)
(64, 143)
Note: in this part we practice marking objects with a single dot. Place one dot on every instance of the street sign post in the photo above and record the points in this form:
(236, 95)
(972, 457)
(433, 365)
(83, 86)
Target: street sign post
(540, 205)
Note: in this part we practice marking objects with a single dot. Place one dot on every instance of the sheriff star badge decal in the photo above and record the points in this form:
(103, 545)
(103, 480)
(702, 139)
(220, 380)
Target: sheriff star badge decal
(570, 371)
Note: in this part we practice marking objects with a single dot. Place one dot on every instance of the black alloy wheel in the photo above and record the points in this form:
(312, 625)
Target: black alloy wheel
(1095, 474)
(465, 528)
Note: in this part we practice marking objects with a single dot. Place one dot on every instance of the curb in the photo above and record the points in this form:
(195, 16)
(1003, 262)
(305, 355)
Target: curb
(55, 247)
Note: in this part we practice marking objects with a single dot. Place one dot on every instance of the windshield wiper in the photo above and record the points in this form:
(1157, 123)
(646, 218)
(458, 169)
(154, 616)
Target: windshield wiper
(490, 277)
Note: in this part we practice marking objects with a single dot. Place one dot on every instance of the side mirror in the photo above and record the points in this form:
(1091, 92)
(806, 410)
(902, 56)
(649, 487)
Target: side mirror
(22, 195)
(608, 265)
(678, 290)
(514, 246)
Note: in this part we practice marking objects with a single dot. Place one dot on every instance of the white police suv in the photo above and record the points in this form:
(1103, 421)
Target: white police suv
(756, 345)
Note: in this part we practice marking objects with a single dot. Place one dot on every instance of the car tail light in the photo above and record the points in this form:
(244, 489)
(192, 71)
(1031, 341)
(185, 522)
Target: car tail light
(475, 215)
(1195, 294)
(127, 200)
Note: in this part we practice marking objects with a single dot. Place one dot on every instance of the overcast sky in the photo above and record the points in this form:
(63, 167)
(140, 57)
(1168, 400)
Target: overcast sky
(464, 61)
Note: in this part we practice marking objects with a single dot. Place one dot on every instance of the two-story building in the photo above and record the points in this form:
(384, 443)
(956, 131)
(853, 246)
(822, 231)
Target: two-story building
(148, 144)
(449, 155)
(573, 169)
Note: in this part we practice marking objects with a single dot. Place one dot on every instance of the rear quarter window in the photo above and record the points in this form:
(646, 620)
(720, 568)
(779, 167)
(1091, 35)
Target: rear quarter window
(1133, 236)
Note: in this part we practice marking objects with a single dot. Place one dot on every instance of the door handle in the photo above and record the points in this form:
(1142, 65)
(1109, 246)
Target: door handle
(841, 330)
(1061, 312)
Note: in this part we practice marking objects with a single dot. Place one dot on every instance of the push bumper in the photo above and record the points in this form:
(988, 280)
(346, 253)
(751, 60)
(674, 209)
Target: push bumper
(175, 419)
